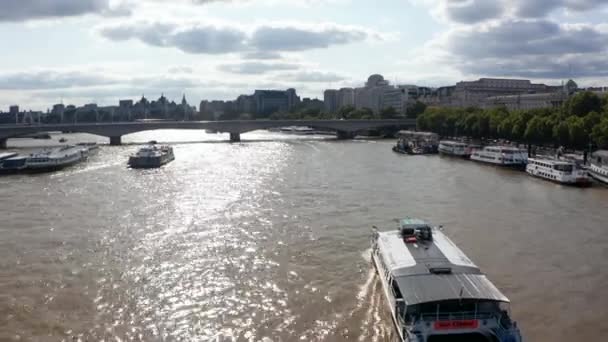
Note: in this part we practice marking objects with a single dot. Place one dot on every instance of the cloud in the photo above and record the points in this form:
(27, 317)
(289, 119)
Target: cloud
(261, 55)
(542, 8)
(257, 68)
(20, 10)
(193, 39)
(51, 79)
(209, 39)
(299, 39)
(312, 76)
(472, 11)
(527, 48)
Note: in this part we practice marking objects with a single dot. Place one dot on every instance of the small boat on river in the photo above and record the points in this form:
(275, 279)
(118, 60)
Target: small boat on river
(434, 292)
(151, 156)
(598, 167)
(559, 171)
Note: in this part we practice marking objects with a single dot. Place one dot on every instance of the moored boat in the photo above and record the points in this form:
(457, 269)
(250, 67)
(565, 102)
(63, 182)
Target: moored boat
(454, 148)
(434, 292)
(55, 159)
(559, 171)
(151, 156)
(598, 167)
(501, 156)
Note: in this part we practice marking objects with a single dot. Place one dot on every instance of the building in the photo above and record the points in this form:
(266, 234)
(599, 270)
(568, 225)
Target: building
(346, 97)
(125, 109)
(272, 101)
(245, 104)
(474, 93)
(378, 94)
(331, 101)
(526, 101)
(13, 110)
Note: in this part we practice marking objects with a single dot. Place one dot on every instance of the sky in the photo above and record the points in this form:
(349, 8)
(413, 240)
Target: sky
(100, 51)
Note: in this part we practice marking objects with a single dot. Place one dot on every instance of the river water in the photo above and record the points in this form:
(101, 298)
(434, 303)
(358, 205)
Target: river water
(268, 240)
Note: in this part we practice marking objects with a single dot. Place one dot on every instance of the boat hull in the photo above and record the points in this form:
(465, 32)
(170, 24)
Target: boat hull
(514, 166)
(594, 172)
(580, 182)
(149, 162)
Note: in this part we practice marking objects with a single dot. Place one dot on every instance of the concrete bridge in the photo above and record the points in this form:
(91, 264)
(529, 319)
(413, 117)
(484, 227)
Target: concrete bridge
(345, 129)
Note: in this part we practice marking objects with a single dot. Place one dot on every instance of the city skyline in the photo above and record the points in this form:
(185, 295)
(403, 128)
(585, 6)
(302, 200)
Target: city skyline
(218, 50)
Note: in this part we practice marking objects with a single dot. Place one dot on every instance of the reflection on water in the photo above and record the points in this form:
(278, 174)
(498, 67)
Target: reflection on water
(268, 241)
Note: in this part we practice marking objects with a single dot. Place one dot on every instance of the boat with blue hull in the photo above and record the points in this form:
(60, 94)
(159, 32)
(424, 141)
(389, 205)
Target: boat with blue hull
(434, 291)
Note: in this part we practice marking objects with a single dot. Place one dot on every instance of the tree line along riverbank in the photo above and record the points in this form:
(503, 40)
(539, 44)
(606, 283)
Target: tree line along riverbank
(580, 123)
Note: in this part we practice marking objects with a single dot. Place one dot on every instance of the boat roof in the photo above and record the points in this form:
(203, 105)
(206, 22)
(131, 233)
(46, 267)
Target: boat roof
(601, 153)
(453, 142)
(6, 155)
(553, 161)
(433, 271)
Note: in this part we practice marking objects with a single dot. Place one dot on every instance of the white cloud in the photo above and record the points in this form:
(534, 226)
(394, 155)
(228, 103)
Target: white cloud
(201, 38)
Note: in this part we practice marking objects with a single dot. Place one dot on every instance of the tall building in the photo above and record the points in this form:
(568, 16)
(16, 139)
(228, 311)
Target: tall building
(245, 104)
(13, 110)
(272, 101)
(346, 97)
(372, 94)
(330, 101)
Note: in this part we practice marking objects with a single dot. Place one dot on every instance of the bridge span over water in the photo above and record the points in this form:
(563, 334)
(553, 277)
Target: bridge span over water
(345, 129)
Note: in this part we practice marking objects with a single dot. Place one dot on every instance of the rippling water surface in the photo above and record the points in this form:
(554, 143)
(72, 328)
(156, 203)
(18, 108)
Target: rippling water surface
(267, 240)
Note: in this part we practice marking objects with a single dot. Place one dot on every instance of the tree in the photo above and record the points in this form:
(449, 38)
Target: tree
(580, 104)
(345, 112)
(578, 136)
(415, 109)
(600, 133)
(389, 113)
(561, 133)
(537, 131)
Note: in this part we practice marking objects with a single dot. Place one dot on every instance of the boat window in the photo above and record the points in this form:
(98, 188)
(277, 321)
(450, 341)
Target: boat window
(565, 168)
(396, 290)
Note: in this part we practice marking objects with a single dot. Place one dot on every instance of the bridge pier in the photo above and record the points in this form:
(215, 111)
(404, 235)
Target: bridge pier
(116, 141)
(235, 137)
(3, 144)
(344, 135)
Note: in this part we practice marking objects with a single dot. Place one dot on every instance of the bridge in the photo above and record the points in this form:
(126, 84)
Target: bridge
(345, 129)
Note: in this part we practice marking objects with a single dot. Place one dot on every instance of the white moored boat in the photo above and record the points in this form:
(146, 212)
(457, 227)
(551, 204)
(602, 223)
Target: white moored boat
(454, 148)
(598, 167)
(434, 292)
(55, 159)
(560, 171)
(501, 156)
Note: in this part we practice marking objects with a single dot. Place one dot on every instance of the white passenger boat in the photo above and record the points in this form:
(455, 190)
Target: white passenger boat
(151, 156)
(454, 148)
(598, 167)
(501, 156)
(434, 292)
(559, 171)
(55, 159)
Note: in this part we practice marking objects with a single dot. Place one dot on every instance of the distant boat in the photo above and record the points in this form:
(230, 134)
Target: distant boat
(151, 156)
(559, 171)
(62, 140)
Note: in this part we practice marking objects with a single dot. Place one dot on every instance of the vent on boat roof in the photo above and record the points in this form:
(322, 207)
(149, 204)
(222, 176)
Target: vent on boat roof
(440, 270)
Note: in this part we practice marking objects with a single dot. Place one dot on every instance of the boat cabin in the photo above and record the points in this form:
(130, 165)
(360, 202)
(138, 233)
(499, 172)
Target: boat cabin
(434, 291)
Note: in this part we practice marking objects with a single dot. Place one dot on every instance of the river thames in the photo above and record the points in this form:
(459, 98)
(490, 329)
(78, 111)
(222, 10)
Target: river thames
(268, 240)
